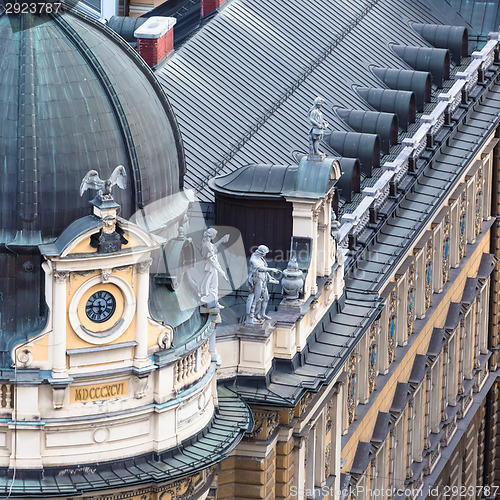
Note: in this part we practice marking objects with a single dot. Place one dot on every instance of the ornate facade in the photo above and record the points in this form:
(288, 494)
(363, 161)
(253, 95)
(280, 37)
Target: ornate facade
(376, 378)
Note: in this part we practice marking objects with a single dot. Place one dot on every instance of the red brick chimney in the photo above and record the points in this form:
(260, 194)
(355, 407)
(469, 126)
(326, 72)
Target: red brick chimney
(155, 39)
(208, 6)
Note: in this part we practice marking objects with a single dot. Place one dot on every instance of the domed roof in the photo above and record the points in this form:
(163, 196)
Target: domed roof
(74, 97)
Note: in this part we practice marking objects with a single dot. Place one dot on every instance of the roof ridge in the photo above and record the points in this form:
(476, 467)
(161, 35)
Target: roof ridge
(229, 155)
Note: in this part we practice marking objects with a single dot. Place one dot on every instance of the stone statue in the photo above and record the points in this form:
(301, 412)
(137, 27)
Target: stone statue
(210, 284)
(258, 278)
(103, 188)
(318, 126)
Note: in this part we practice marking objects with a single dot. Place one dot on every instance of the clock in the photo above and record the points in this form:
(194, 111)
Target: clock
(100, 306)
(101, 311)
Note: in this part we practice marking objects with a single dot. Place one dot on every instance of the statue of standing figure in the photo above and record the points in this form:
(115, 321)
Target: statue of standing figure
(258, 278)
(210, 284)
(318, 126)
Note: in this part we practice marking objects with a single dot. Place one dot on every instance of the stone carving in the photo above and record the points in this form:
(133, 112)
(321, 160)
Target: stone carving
(304, 402)
(392, 327)
(409, 438)
(61, 276)
(24, 357)
(103, 188)
(258, 294)
(165, 339)
(411, 299)
(210, 284)
(257, 429)
(318, 126)
(462, 225)
(106, 274)
(372, 362)
(479, 201)
(428, 274)
(427, 411)
(446, 248)
(352, 365)
(292, 282)
(329, 292)
(328, 458)
(140, 384)
(329, 416)
(432, 459)
(313, 312)
(58, 396)
(143, 266)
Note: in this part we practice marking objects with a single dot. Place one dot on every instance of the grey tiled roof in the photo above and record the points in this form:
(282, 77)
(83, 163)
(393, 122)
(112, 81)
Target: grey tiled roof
(242, 85)
(338, 333)
(400, 230)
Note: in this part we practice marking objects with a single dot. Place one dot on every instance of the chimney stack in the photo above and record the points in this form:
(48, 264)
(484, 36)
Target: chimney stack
(208, 6)
(155, 39)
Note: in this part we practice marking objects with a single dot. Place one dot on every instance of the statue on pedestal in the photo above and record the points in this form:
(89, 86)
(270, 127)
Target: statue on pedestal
(210, 284)
(318, 126)
(258, 278)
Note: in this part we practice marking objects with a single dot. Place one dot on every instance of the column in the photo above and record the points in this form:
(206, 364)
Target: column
(60, 317)
(141, 314)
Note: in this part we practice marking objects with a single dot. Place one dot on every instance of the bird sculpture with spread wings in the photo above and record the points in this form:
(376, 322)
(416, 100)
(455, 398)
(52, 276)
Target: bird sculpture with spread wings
(103, 188)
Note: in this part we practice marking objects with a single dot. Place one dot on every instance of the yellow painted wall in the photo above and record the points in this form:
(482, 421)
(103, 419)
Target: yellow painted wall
(73, 341)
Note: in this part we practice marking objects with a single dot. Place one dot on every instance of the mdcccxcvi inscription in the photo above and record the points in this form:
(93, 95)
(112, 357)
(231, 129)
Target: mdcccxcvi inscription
(99, 392)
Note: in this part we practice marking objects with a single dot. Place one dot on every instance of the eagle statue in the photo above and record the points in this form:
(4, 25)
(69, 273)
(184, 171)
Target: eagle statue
(103, 188)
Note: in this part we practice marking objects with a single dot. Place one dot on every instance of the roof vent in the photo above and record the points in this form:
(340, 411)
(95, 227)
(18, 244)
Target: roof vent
(454, 38)
(385, 125)
(401, 102)
(366, 147)
(418, 82)
(126, 26)
(349, 181)
(435, 61)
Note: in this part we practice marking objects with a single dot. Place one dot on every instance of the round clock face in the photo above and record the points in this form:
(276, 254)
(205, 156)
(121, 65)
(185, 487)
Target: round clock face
(100, 306)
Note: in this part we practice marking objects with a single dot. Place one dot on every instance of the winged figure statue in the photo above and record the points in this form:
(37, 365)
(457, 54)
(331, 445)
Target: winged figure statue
(103, 188)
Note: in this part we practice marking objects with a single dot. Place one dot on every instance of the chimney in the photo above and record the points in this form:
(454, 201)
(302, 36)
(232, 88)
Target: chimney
(208, 6)
(155, 39)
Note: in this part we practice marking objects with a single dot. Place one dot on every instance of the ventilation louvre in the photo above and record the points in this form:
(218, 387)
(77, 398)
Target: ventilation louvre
(365, 147)
(453, 38)
(418, 82)
(401, 102)
(435, 61)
